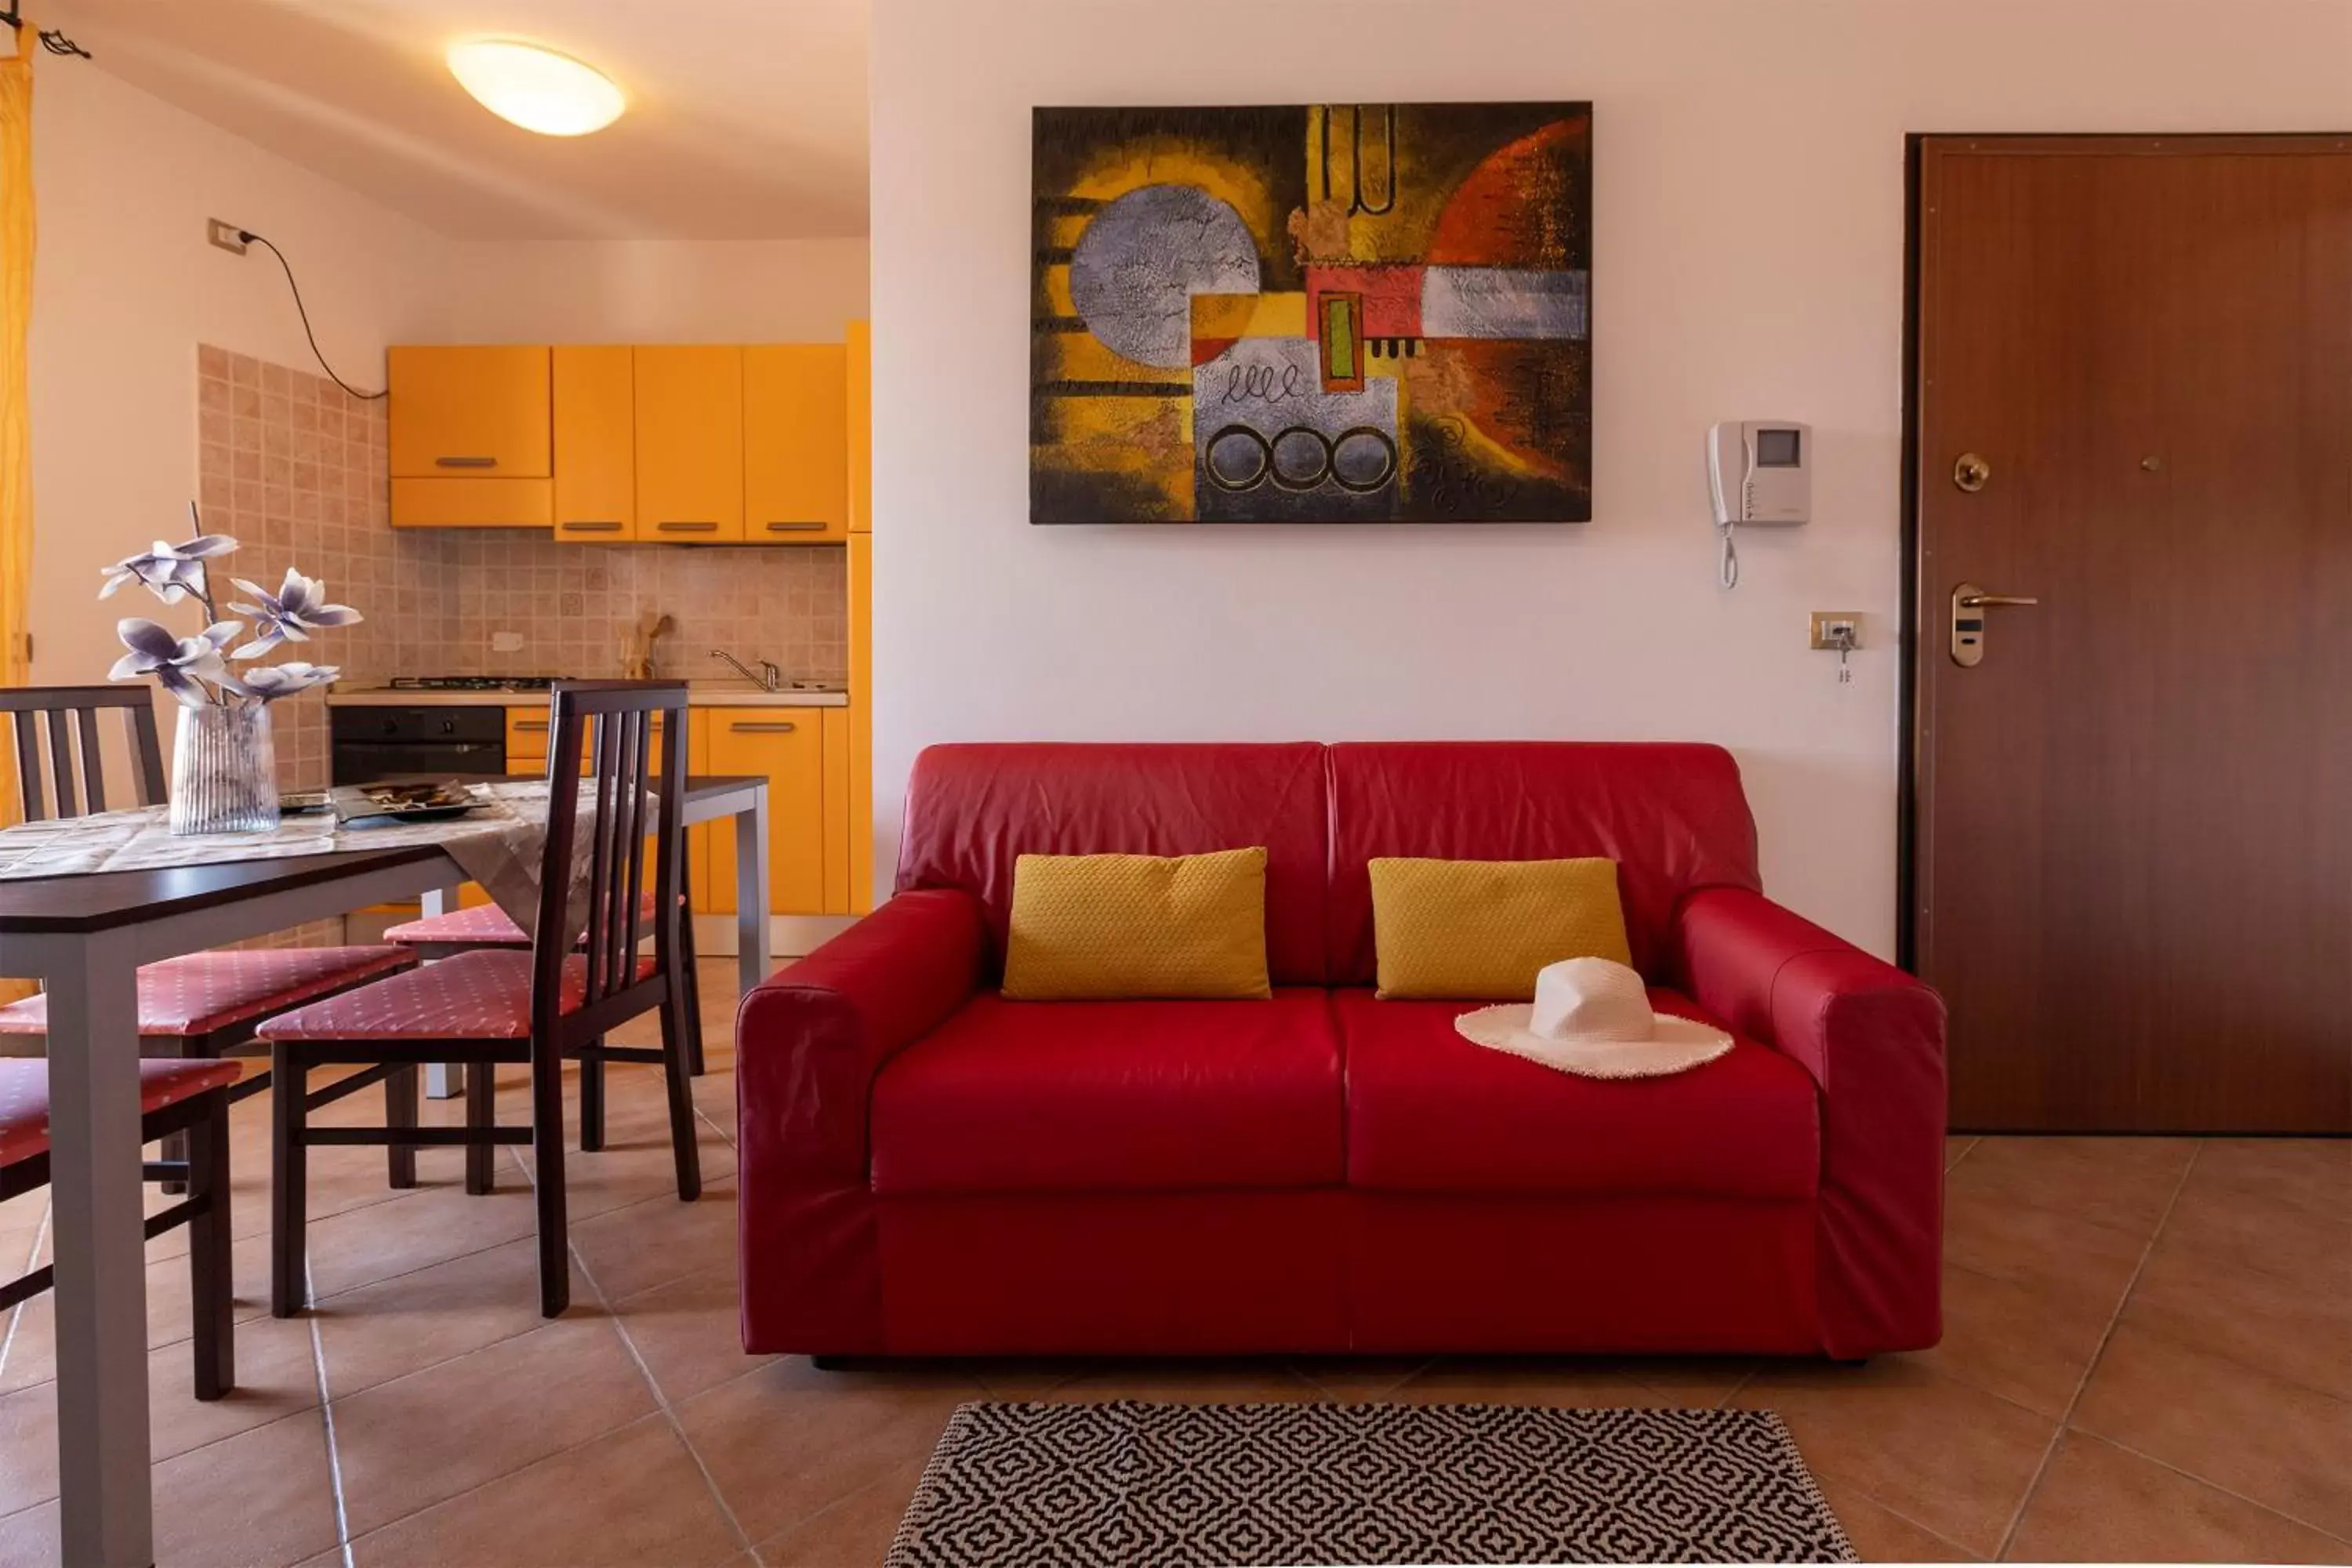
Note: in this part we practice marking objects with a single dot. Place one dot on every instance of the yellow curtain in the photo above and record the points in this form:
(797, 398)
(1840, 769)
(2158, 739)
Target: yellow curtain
(15, 440)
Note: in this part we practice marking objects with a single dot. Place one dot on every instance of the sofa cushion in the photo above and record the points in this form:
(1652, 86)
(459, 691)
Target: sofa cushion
(1428, 1112)
(1671, 815)
(973, 810)
(1108, 1096)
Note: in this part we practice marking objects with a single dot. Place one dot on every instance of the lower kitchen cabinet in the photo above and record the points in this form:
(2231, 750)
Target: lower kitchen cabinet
(788, 746)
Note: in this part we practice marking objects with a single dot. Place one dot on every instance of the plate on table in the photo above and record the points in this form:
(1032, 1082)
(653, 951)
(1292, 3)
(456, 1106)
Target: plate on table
(435, 800)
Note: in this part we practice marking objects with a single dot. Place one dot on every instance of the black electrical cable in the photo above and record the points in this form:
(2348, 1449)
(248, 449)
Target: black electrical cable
(248, 237)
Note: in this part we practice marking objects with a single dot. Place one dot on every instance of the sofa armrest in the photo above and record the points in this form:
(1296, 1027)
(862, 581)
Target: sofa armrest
(810, 1038)
(1873, 1038)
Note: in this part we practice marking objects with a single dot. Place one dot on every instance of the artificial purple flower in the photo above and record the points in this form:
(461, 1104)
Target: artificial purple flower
(290, 615)
(268, 682)
(180, 666)
(170, 571)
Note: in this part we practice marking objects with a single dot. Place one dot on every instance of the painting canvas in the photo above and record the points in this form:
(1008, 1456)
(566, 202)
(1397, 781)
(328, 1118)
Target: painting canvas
(1327, 313)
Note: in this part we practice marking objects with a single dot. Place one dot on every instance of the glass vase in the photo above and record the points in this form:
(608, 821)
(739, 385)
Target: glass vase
(224, 770)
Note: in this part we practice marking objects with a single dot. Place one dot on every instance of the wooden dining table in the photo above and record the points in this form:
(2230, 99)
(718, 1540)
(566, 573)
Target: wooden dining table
(85, 937)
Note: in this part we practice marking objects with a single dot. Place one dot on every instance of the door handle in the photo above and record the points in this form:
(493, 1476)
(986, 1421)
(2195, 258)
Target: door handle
(795, 527)
(597, 525)
(676, 526)
(1969, 604)
(465, 462)
(742, 729)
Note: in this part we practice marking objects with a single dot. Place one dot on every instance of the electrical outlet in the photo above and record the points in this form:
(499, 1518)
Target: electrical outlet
(1836, 629)
(227, 235)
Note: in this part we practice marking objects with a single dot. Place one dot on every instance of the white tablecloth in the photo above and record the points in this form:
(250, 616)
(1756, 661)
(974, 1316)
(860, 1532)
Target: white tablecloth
(500, 844)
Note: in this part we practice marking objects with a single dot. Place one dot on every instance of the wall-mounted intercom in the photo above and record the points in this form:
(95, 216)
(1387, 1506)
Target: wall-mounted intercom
(1761, 473)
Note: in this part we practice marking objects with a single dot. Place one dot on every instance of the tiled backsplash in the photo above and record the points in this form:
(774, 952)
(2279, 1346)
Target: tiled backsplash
(295, 467)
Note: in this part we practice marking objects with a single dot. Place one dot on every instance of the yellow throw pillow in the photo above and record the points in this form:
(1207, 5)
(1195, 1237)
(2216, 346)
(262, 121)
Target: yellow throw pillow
(1477, 930)
(1096, 927)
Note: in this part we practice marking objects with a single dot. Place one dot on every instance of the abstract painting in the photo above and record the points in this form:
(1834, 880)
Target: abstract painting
(1327, 313)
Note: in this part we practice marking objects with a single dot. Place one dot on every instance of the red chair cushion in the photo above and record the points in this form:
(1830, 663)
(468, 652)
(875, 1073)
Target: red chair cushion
(1672, 816)
(478, 925)
(1428, 1112)
(1096, 1096)
(483, 996)
(202, 991)
(25, 1095)
(973, 809)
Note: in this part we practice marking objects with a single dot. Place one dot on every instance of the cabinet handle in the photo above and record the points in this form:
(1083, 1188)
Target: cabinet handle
(529, 724)
(465, 462)
(795, 528)
(688, 527)
(777, 728)
(594, 527)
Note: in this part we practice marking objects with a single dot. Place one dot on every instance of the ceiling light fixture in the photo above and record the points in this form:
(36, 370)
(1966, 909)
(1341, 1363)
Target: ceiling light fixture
(535, 87)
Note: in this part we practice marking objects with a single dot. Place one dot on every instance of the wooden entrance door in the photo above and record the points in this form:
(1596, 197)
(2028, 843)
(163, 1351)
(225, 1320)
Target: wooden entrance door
(2133, 829)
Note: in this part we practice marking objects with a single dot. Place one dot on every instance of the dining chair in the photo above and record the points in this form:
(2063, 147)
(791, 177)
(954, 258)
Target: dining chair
(202, 1004)
(178, 1099)
(539, 1006)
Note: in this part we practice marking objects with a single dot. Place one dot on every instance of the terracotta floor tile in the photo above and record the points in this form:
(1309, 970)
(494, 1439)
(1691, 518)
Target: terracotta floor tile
(1880, 1535)
(628, 1251)
(855, 1532)
(2310, 1174)
(650, 1504)
(2300, 1330)
(1952, 1458)
(2098, 1503)
(427, 1227)
(2246, 1231)
(2283, 1446)
(2018, 1342)
(784, 1442)
(1584, 1382)
(33, 1350)
(1359, 1380)
(636, 1164)
(2080, 1262)
(2125, 1182)
(1023, 1378)
(1249, 1380)
(418, 1440)
(689, 1332)
(258, 1499)
(1957, 1147)
(419, 1320)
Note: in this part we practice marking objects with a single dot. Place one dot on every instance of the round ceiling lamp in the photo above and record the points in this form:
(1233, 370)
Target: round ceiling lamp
(536, 88)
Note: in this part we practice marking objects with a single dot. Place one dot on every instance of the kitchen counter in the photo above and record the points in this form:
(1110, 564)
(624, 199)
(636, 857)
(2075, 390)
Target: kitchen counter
(700, 694)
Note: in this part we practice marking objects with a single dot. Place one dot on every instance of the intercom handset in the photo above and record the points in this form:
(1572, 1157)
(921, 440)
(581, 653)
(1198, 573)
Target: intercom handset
(1761, 473)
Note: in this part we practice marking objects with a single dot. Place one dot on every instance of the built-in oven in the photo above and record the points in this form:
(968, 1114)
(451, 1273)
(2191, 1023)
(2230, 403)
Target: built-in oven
(376, 744)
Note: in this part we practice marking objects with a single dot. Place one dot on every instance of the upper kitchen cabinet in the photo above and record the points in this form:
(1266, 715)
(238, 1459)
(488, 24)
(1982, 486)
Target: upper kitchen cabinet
(795, 436)
(690, 444)
(595, 444)
(470, 436)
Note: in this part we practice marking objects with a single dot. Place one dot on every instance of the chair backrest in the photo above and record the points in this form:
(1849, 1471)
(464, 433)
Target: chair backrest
(68, 715)
(635, 804)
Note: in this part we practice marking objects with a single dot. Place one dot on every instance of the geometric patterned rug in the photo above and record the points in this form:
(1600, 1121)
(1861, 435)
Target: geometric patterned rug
(1133, 1485)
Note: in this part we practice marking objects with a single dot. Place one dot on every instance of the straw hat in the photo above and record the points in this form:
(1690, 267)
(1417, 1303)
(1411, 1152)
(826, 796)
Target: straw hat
(1592, 1017)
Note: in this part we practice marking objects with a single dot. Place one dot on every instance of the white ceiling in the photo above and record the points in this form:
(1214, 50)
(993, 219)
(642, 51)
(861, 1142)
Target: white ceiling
(746, 119)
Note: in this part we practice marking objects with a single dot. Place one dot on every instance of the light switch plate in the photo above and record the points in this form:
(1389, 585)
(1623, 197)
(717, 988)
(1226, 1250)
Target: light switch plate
(1826, 624)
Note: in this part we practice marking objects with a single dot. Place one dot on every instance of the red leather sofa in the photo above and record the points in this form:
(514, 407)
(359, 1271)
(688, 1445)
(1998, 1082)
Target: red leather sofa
(931, 1170)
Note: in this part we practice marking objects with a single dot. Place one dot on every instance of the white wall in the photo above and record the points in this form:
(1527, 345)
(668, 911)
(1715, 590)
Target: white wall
(125, 288)
(1749, 254)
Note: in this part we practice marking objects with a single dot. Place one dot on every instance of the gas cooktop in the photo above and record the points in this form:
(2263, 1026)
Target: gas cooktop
(474, 682)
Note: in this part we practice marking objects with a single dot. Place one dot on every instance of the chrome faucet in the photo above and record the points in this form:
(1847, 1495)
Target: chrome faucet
(770, 678)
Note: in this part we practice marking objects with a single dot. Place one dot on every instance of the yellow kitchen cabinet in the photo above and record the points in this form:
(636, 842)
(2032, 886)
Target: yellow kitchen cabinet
(689, 443)
(786, 745)
(860, 442)
(468, 427)
(795, 466)
(595, 401)
(466, 410)
(861, 723)
(836, 811)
